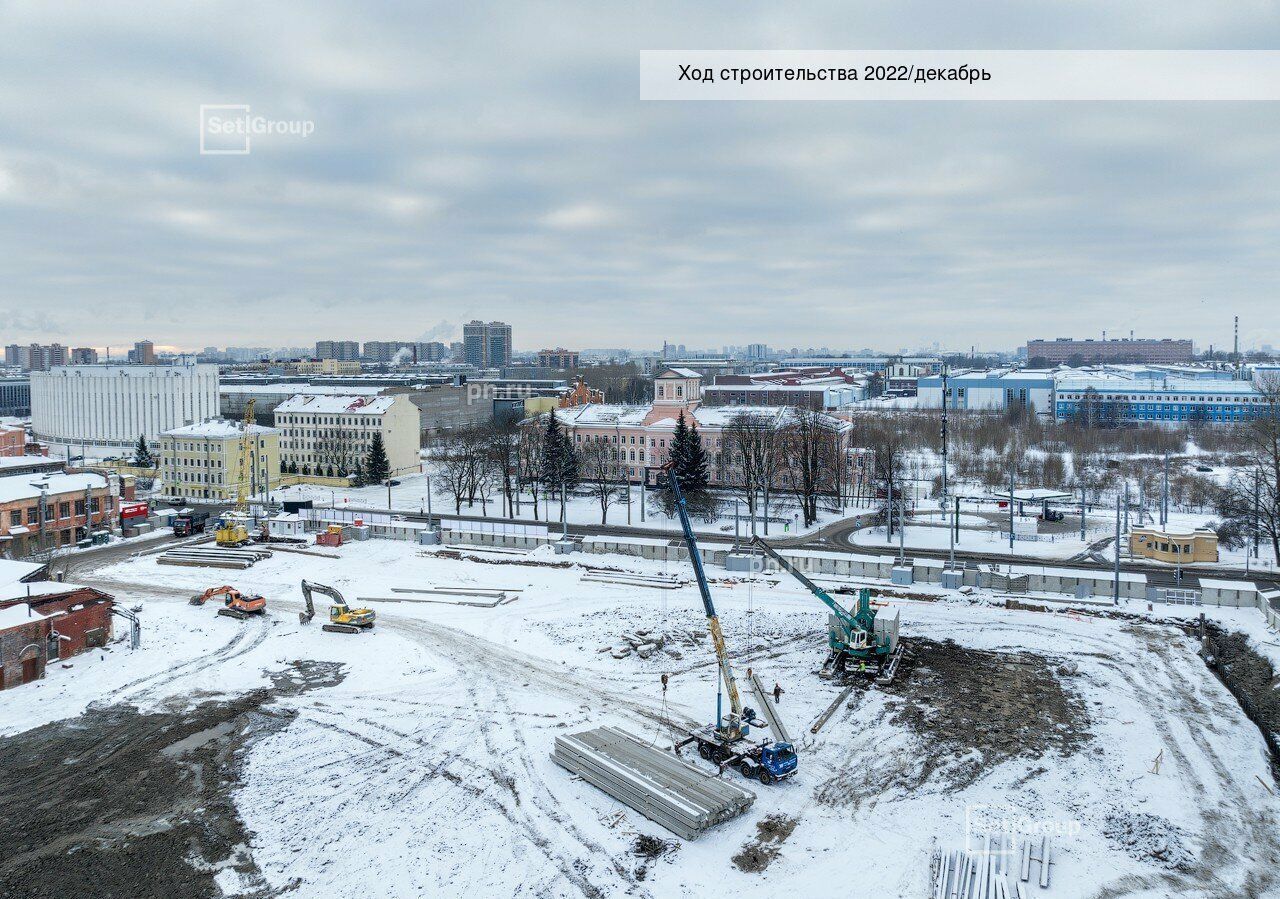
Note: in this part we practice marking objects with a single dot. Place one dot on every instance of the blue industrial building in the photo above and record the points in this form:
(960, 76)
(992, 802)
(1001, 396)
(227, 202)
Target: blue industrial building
(1161, 394)
(1144, 395)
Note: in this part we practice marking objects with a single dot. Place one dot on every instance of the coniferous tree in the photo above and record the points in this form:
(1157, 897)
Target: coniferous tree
(678, 455)
(142, 454)
(693, 474)
(376, 467)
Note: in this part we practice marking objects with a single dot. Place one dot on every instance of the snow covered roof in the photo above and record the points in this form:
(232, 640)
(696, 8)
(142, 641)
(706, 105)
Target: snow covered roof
(680, 373)
(27, 486)
(347, 404)
(601, 415)
(12, 572)
(218, 427)
(18, 615)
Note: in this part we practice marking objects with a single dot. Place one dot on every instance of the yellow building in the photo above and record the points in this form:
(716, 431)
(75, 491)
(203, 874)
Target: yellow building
(326, 367)
(202, 461)
(1200, 545)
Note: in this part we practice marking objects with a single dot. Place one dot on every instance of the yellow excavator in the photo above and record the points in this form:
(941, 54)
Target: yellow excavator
(342, 618)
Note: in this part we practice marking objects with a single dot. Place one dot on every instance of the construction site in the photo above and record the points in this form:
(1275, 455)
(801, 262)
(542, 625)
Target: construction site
(526, 721)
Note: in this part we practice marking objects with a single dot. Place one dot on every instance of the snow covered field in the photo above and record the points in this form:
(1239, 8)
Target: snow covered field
(426, 772)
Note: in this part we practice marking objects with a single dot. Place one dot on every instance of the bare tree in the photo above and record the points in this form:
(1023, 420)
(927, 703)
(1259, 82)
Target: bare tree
(503, 452)
(339, 449)
(1252, 498)
(529, 460)
(453, 468)
(811, 451)
(599, 472)
(752, 441)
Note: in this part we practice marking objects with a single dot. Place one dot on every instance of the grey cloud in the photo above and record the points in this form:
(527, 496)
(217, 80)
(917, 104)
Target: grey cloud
(494, 161)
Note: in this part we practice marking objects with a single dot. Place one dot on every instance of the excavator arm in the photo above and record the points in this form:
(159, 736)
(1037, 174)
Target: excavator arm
(201, 598)
(307, 589)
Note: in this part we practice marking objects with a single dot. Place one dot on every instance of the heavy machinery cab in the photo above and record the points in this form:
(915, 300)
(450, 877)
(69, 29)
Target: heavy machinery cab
(357, 617)
(779, 759)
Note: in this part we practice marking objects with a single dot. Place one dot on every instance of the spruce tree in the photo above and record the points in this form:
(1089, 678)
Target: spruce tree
(693, 473)
(142, 454)
(679, 452)
(376, 467)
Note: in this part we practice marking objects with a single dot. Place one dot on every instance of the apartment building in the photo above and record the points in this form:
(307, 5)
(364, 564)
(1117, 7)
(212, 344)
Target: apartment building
(346, 350)
(486, 344)
(201, 462)
(45, 511)
(35, 356)
(558, 358)
(330, 435)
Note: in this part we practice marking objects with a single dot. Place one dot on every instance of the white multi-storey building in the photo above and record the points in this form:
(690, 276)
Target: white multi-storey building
(105, 408)
(329, 435)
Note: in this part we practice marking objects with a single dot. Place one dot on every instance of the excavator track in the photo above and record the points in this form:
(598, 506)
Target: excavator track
(234, 613)
(342, 628)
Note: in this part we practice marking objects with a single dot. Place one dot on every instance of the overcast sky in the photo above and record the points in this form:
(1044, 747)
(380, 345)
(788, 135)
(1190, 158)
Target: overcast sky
(495, 161)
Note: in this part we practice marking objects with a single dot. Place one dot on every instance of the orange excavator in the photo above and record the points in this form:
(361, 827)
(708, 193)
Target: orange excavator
(234, 603)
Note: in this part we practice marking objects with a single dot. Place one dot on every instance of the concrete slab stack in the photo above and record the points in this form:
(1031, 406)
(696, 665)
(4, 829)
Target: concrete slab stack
(654, 782)
(212, 557)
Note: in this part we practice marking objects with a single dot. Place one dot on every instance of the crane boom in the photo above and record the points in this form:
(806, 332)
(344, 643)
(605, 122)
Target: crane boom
(733, 729)
(841, 612)
(246, 461)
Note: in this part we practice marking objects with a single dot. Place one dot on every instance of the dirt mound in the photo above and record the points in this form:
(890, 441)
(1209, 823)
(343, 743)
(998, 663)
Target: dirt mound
(1148, 838)
(759, 853)
(116, 803)
(985, 707)
(1252, 681)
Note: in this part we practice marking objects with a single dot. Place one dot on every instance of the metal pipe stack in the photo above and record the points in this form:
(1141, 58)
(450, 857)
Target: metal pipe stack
(655, 783)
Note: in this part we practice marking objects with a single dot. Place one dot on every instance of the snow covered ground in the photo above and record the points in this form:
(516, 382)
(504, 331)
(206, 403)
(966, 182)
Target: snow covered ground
(426, 772)
(1063, 546)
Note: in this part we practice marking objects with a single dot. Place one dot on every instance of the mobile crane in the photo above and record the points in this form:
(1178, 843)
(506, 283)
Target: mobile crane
(859, 641)
(342, 618)
(727, 742)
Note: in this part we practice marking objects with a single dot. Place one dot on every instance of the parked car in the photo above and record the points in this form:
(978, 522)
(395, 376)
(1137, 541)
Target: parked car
(1203, 468)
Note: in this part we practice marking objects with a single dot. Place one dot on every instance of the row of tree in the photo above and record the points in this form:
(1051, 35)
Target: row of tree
(760, 454)
(371, 467)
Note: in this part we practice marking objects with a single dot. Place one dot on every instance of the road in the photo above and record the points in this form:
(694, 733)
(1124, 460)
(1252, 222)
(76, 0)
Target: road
(837, 537)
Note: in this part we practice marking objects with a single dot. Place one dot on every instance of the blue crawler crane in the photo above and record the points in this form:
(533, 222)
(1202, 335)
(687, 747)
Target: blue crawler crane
(727, 742)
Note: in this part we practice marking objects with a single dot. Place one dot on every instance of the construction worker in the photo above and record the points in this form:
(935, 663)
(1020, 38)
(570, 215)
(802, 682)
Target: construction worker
(777, 693)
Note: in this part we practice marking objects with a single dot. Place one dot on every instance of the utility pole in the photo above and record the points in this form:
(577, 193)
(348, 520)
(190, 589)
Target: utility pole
(1010, 502)
(944, 433)
(429, 502)
(1116, 594)
(1164, 495)
(902, 532)
(1126, 506)
(951, 556)
(644, 482)
(888, 513)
